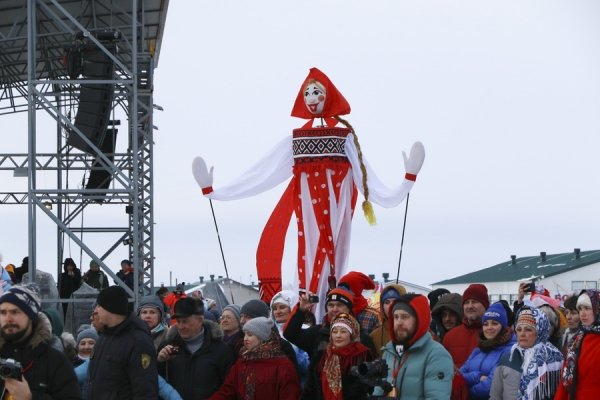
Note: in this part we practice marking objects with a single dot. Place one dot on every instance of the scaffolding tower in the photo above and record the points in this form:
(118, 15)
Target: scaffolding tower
(44, 48)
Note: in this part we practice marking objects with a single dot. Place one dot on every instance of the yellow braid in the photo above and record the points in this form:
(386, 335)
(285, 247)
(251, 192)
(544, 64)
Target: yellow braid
(366, 205)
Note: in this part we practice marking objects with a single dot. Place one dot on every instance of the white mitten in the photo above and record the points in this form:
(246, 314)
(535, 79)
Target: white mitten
(414, 162)
(203, 176)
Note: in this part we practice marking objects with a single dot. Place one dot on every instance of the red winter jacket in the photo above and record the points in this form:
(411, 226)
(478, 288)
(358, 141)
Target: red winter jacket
(274, 378)
(170, 300)
(588, 378)
(461, 341)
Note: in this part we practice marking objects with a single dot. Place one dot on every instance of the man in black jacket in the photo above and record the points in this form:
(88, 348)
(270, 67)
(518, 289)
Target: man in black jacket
(193, 358)
(123, 363)
(25, 339)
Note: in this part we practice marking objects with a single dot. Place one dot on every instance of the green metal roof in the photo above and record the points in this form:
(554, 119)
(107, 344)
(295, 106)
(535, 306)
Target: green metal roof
(526, 267)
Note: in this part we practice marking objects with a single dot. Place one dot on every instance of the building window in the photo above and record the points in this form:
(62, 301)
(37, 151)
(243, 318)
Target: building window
(578, 286)
(591, 285)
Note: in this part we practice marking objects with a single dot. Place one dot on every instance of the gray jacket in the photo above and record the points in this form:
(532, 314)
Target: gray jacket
(505, 385)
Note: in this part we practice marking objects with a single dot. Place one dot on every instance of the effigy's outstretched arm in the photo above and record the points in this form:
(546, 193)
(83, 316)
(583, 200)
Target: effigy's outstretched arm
(379, 193)
(275, 167)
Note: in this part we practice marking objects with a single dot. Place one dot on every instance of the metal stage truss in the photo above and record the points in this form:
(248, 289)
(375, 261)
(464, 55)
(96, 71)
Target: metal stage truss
(52, 56)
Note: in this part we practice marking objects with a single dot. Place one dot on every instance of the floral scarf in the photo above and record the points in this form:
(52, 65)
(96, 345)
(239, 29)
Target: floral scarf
(264, 351)
(336, 363)
(541, 363)
(569, 373)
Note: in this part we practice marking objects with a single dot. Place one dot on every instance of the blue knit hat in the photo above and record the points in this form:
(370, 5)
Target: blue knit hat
(390, 294)
(89, 333)
(496, 312)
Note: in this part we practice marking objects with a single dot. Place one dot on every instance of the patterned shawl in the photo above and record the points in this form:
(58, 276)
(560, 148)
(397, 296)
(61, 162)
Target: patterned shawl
(541, 363)
(569, 373)
(336, 362)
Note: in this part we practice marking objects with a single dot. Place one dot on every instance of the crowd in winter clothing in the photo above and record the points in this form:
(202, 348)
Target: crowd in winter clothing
(409, 346)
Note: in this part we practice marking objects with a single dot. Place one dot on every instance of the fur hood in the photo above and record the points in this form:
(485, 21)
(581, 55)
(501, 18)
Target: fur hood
(42, 332)
(213, 329)
(448, 301)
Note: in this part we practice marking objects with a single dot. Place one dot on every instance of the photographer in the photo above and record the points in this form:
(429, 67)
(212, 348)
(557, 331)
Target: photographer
(418, 366)
(30, 368)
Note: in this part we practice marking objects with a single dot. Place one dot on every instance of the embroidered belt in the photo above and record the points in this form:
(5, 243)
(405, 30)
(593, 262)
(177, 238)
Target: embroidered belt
(324, 146)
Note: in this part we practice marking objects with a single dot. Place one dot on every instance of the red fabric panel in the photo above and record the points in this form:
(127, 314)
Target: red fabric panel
(270, 247)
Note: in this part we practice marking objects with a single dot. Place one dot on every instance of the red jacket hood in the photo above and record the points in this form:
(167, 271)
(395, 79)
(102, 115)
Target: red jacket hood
(420, 304)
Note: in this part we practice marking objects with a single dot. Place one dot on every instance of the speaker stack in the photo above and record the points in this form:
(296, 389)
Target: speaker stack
(95, 100)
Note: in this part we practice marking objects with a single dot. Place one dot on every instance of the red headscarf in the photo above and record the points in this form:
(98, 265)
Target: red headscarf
(335, 103)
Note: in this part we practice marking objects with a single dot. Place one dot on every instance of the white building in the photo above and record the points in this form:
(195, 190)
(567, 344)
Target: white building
(561, 274)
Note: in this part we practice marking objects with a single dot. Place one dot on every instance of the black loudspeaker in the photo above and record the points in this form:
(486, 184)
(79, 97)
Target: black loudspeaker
(95, 101)
(101, 176)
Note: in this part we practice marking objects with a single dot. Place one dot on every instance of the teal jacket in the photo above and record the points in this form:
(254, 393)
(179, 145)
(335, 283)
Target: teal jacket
(423, 369)
(426, 370)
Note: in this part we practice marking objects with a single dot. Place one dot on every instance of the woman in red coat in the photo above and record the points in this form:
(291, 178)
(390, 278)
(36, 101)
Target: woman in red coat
(262, 372)
(580, 377)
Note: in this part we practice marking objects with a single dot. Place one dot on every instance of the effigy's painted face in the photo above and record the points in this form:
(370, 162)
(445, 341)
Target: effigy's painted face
(314, 97)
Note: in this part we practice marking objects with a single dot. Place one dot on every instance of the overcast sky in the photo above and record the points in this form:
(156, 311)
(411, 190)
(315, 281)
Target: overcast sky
(504, 95)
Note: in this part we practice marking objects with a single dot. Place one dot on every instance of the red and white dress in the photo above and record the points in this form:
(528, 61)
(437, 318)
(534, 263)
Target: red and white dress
(325, 172)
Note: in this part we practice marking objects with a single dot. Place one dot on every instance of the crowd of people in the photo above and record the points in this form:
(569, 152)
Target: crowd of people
(409, 346)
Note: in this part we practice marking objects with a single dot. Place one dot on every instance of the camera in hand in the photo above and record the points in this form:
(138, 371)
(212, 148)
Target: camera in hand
(373, 373)
(529, 287)
(312, 298)
(10, 368)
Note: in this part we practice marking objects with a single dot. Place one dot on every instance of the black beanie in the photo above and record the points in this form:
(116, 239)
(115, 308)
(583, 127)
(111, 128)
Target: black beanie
(255, 308)
(435, 295)
(114, 299)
